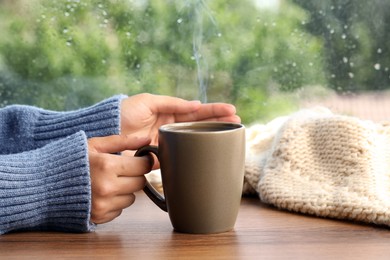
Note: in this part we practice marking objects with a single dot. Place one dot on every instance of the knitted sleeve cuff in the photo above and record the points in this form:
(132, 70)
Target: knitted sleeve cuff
(101, 119)
(47, 188)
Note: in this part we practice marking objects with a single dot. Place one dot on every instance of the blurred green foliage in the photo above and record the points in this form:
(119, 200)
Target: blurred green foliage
(356, 40)
(65, 54)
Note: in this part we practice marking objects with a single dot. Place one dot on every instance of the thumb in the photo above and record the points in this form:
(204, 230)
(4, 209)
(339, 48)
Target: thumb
(117, 143)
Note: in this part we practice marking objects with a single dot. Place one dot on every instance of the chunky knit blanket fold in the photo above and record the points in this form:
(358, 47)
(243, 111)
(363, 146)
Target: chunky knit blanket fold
(319, 163)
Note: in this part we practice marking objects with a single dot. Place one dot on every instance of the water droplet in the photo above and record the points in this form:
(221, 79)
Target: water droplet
(311, 64)
(219, 34)
(332, 76)
(351, 75)
(345, 59)
(180, 20)
(66, 14)
(379, 50)
(377, 66)
(294, 64)
(343, 36)
(128, 34)
(65, 30)
(331, 31)
(69, 41)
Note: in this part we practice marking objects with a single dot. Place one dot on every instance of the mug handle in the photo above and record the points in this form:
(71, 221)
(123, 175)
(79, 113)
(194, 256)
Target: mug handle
(149, 190)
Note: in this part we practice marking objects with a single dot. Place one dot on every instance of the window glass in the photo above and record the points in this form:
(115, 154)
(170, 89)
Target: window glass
(268, 57)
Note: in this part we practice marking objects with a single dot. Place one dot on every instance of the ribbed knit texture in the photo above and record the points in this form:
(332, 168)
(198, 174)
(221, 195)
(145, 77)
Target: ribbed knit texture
(47, 188)
(322, 164)
(44, 168)
(25, 128)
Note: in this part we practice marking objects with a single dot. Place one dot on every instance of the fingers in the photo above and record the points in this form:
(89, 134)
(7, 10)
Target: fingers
(105, 211)
(117, 143)
(211, 112)
(194, 110)
(172, 105)
(232, 119)
(166, 104)
(109, 200)
(185, 111)
(126, 166)
(114, 178)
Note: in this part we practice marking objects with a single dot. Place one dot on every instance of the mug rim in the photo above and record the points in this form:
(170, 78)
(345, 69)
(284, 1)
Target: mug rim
(217, 126)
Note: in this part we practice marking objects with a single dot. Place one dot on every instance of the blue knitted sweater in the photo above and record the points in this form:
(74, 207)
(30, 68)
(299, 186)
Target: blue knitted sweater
(44, 169)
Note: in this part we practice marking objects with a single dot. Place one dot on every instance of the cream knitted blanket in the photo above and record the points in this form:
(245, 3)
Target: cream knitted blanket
(319, 163)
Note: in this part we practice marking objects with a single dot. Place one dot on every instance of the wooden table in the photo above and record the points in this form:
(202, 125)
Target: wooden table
(143, 231)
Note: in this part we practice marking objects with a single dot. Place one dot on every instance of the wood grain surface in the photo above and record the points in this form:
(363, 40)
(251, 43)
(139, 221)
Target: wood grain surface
(143, 231)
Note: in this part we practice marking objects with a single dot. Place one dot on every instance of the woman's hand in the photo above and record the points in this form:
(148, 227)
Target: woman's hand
(115, 178)
(143, 114)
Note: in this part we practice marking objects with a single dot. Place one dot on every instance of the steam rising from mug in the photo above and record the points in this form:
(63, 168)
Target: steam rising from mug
(200, 7)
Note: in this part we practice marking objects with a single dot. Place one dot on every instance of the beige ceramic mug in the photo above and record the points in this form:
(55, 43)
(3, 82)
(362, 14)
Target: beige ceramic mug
(202, 170)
